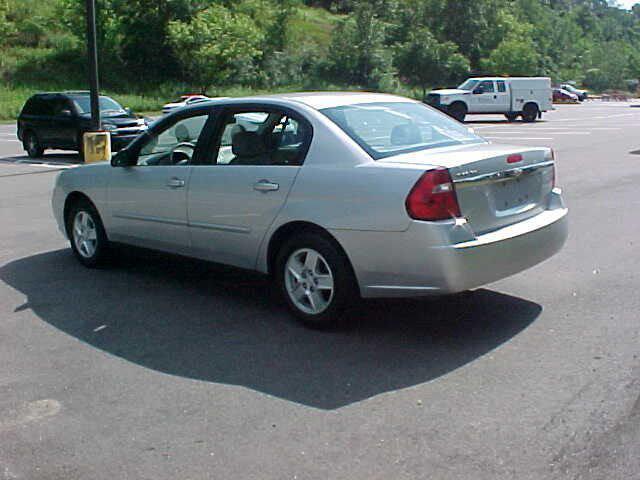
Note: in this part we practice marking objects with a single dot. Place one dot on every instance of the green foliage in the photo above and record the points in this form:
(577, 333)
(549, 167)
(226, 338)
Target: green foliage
(513, 56)
(216, 46)
(7, 28)
(357, 54)
(423, 61)
(160, 48)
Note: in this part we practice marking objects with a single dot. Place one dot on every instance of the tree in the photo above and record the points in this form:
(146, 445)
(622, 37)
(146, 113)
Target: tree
(6, 27)
(422, 61)
(471, 24)
(358, 54)
(514, 56)
(215, 44)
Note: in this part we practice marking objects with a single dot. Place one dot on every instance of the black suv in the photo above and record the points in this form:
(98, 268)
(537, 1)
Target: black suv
(58, 120)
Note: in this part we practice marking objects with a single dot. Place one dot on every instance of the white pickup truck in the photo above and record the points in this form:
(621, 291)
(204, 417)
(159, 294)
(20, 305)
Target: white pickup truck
(512, 96)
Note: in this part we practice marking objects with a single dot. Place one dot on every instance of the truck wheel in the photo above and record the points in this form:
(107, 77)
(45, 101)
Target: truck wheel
(511, 117)
(458, 110)
(530, 112)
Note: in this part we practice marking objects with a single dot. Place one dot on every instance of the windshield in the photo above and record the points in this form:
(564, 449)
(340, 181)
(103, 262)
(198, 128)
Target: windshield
(469, 84)
(108, 106)
(385, 129)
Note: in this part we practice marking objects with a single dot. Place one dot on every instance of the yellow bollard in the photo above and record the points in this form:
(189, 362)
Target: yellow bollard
(97, 147)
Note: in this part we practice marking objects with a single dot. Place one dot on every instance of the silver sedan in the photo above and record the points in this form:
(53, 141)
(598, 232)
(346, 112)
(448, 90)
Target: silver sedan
(336, 195)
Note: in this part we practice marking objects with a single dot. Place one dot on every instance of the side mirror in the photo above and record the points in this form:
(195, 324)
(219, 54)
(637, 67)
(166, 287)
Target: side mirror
(478, 90)
(122, 159)
(65, 113)
(128, 110)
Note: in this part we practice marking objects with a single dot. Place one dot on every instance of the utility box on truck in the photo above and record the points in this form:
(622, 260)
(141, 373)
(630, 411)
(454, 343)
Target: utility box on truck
(528, 97)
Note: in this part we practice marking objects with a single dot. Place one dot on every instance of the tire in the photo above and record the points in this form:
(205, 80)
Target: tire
(86, 234)
(31, 145)
(511, 117)
(315, 279)
(530, 112)
(458, 111)
(80, 143)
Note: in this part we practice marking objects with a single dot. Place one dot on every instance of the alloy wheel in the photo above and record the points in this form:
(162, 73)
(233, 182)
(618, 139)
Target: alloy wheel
(85, 234)
(309, 281)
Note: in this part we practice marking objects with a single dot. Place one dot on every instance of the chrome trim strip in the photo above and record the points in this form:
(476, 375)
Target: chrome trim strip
(206, 226)
(145, 218)
(222, 228)
(402, 287)
(502, 175)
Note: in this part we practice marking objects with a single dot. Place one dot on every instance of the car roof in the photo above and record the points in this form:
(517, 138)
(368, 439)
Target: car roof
(319, 100)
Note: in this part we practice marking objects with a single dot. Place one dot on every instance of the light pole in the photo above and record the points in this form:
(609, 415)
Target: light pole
(92, 52)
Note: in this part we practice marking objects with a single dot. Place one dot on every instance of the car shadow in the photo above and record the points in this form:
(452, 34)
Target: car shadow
(635, 152)
(48, 158)
(217, 324)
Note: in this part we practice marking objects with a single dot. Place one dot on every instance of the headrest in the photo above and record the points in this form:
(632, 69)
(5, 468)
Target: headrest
(247, 144)
(182, 133)
(406, 134)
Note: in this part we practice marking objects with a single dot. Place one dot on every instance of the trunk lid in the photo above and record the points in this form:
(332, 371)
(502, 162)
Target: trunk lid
(492, 193)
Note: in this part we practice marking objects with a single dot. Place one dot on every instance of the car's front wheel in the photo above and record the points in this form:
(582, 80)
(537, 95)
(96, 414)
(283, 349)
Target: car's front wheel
(315, 279)
(86, 233)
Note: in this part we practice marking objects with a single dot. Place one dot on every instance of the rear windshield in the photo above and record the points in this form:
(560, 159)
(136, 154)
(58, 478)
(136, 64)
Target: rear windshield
(385, 129)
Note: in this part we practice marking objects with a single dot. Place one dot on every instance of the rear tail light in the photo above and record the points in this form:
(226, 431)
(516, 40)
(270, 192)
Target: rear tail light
(433, 197)
(551, 155)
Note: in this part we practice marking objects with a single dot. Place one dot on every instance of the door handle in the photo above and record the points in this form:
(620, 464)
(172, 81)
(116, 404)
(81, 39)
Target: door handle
(175, 182)
(265, 186)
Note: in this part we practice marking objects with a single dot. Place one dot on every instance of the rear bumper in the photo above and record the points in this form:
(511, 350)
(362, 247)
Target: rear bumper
(445, 257)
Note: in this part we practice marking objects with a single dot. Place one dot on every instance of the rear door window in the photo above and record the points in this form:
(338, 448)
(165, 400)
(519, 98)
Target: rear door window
(262, 138)
(487, 86)
(502, 87)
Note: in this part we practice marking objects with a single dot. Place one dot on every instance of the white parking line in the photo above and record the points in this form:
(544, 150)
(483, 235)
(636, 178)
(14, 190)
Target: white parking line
(517, 132)
(519, 138)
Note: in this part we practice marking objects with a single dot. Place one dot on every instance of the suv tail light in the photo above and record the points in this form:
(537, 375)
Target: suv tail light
(433, 197)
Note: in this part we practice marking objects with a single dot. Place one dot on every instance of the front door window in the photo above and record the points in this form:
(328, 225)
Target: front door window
(175, 145)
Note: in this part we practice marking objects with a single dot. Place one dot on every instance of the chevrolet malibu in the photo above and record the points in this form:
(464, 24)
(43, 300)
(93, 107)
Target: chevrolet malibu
(335, 195)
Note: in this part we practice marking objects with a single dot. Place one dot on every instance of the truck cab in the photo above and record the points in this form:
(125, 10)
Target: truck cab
(527, 97)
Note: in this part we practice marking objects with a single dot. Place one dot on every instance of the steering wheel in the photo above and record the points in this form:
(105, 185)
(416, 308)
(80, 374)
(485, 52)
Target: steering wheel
(180, 149)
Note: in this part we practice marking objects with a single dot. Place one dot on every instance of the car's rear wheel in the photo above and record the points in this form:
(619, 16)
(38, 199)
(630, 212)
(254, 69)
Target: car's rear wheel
(315, 279)
(530, 112)
(458, 111)
(86, 233)
(32, 145)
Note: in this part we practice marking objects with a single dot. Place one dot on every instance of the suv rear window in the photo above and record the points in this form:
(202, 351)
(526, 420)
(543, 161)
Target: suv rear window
(37, 106)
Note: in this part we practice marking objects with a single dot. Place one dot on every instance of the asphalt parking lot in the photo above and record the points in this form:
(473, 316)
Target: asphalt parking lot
(165, 368)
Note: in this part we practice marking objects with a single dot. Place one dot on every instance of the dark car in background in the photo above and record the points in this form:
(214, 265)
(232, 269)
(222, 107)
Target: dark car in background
(561, 95)
(59, 120)
(581, 94)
